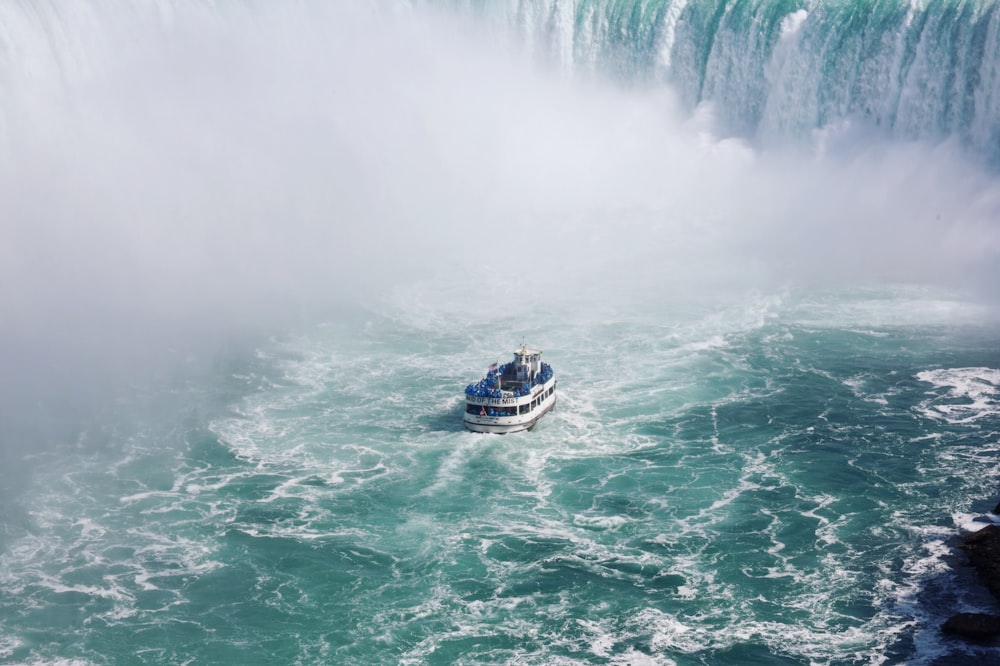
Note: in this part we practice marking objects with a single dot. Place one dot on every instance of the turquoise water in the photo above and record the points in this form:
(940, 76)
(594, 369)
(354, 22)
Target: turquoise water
(252, 253)
(774, 480)
(782, 69)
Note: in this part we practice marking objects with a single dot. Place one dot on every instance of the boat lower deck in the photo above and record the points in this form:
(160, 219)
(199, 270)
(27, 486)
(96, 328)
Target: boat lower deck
(505, 424)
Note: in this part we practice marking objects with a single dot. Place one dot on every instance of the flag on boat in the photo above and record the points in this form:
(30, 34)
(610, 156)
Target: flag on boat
(493, 366)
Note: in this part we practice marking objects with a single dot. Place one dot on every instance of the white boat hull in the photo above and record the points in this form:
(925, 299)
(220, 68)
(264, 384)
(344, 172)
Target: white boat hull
(514, 423)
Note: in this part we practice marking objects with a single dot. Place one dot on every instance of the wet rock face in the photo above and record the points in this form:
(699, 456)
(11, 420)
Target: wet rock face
(975, 626)
(983, 549)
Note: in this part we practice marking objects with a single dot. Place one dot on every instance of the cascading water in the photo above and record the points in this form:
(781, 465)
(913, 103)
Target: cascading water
(777, 71)
(252, 253)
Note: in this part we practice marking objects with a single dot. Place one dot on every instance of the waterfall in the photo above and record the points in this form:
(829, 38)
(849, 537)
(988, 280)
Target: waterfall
(778, 70)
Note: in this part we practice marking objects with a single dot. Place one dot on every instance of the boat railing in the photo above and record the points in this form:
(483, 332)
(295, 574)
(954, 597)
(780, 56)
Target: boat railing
(490, 385)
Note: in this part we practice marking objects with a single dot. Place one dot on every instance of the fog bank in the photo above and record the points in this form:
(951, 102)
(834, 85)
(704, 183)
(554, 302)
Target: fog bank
(176, 175)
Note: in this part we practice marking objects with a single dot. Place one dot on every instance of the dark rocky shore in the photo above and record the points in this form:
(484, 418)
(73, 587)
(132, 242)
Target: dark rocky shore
(983, 550)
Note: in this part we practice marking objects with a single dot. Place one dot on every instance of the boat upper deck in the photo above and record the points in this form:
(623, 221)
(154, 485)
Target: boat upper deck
(514, 379)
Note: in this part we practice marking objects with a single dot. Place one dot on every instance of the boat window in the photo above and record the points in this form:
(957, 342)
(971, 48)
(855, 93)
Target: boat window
(488, 410)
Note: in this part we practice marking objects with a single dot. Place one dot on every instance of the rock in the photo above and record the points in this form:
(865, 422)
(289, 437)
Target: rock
(976, 626)
(983, 549)
(996, 509)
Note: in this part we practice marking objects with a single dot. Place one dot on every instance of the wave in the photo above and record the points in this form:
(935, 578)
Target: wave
(961, 395)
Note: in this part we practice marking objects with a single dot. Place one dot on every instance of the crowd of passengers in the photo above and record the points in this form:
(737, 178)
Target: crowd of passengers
(489, 386)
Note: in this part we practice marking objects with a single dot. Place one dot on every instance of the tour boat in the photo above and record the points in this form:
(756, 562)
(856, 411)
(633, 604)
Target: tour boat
(512, 396)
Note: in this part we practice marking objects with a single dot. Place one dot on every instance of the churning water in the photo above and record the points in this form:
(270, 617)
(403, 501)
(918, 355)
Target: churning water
(257, 252)
(777, 480)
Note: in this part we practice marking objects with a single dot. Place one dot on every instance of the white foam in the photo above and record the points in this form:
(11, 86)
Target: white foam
(632, 657)
(601, 639)
(715, 342)
(8, 645)
(973, 522)
(858, 383)
(976, 390)
(792, 24)
(452, 469)
(601, 522)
